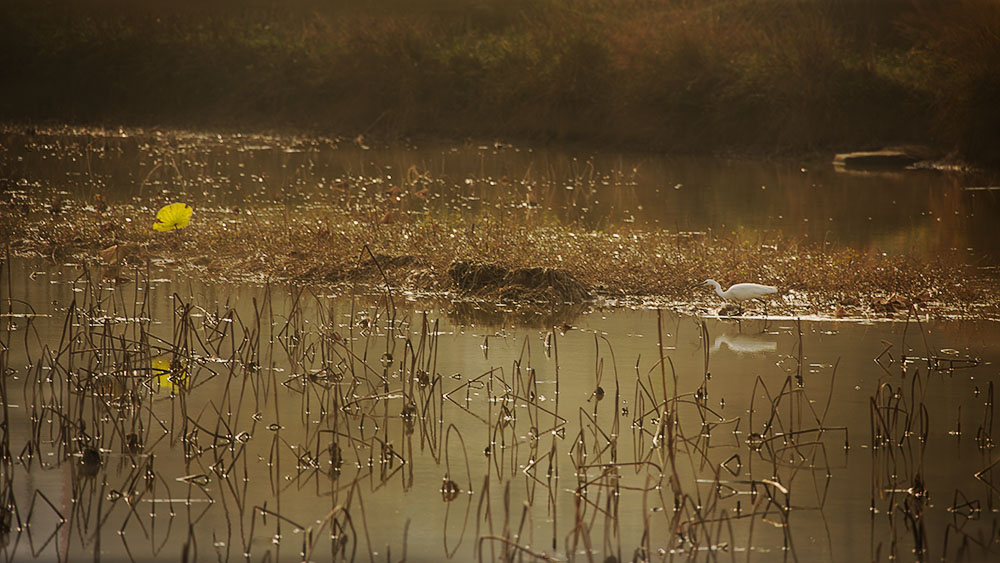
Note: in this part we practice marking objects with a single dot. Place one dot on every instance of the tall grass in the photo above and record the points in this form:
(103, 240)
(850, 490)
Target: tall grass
(720, 75)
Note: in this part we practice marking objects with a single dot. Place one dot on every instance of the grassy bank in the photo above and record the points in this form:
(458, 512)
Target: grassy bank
(703, 76)
(496, 258)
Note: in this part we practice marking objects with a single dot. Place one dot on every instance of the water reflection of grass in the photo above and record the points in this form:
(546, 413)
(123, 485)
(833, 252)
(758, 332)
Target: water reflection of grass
(298, 421)
(714, 75)
(419, 252)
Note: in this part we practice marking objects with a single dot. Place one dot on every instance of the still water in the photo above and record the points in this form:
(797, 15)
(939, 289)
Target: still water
(926, 213)
(169, 419)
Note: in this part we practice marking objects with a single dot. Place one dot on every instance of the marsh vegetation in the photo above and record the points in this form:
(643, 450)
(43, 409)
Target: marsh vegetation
(506, 224)
(685, 76)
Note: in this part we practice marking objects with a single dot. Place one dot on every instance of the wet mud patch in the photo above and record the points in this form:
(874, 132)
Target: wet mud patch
(375, 269)
(520, 284)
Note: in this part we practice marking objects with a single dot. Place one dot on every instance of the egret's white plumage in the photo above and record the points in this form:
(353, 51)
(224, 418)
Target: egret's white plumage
(742, 291)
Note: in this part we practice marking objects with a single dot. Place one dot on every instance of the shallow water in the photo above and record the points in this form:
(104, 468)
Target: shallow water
(922, 212)
(236, 394)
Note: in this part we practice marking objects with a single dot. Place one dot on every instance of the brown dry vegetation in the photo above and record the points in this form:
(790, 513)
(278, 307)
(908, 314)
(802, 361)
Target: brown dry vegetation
(331, 246)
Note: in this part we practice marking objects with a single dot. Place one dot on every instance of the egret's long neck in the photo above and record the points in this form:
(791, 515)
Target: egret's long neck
(718, 289)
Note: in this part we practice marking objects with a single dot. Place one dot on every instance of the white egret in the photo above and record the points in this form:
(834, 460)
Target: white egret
(741, 291)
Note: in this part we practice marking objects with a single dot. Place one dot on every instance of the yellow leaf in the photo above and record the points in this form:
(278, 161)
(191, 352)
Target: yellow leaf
(173, 216)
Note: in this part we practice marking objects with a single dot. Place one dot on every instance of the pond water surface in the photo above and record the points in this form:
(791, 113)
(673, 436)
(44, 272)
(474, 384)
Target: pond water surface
(149, 415)
(164, 416)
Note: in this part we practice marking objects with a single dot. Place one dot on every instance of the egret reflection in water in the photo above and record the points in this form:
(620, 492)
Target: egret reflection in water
(741, 343)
